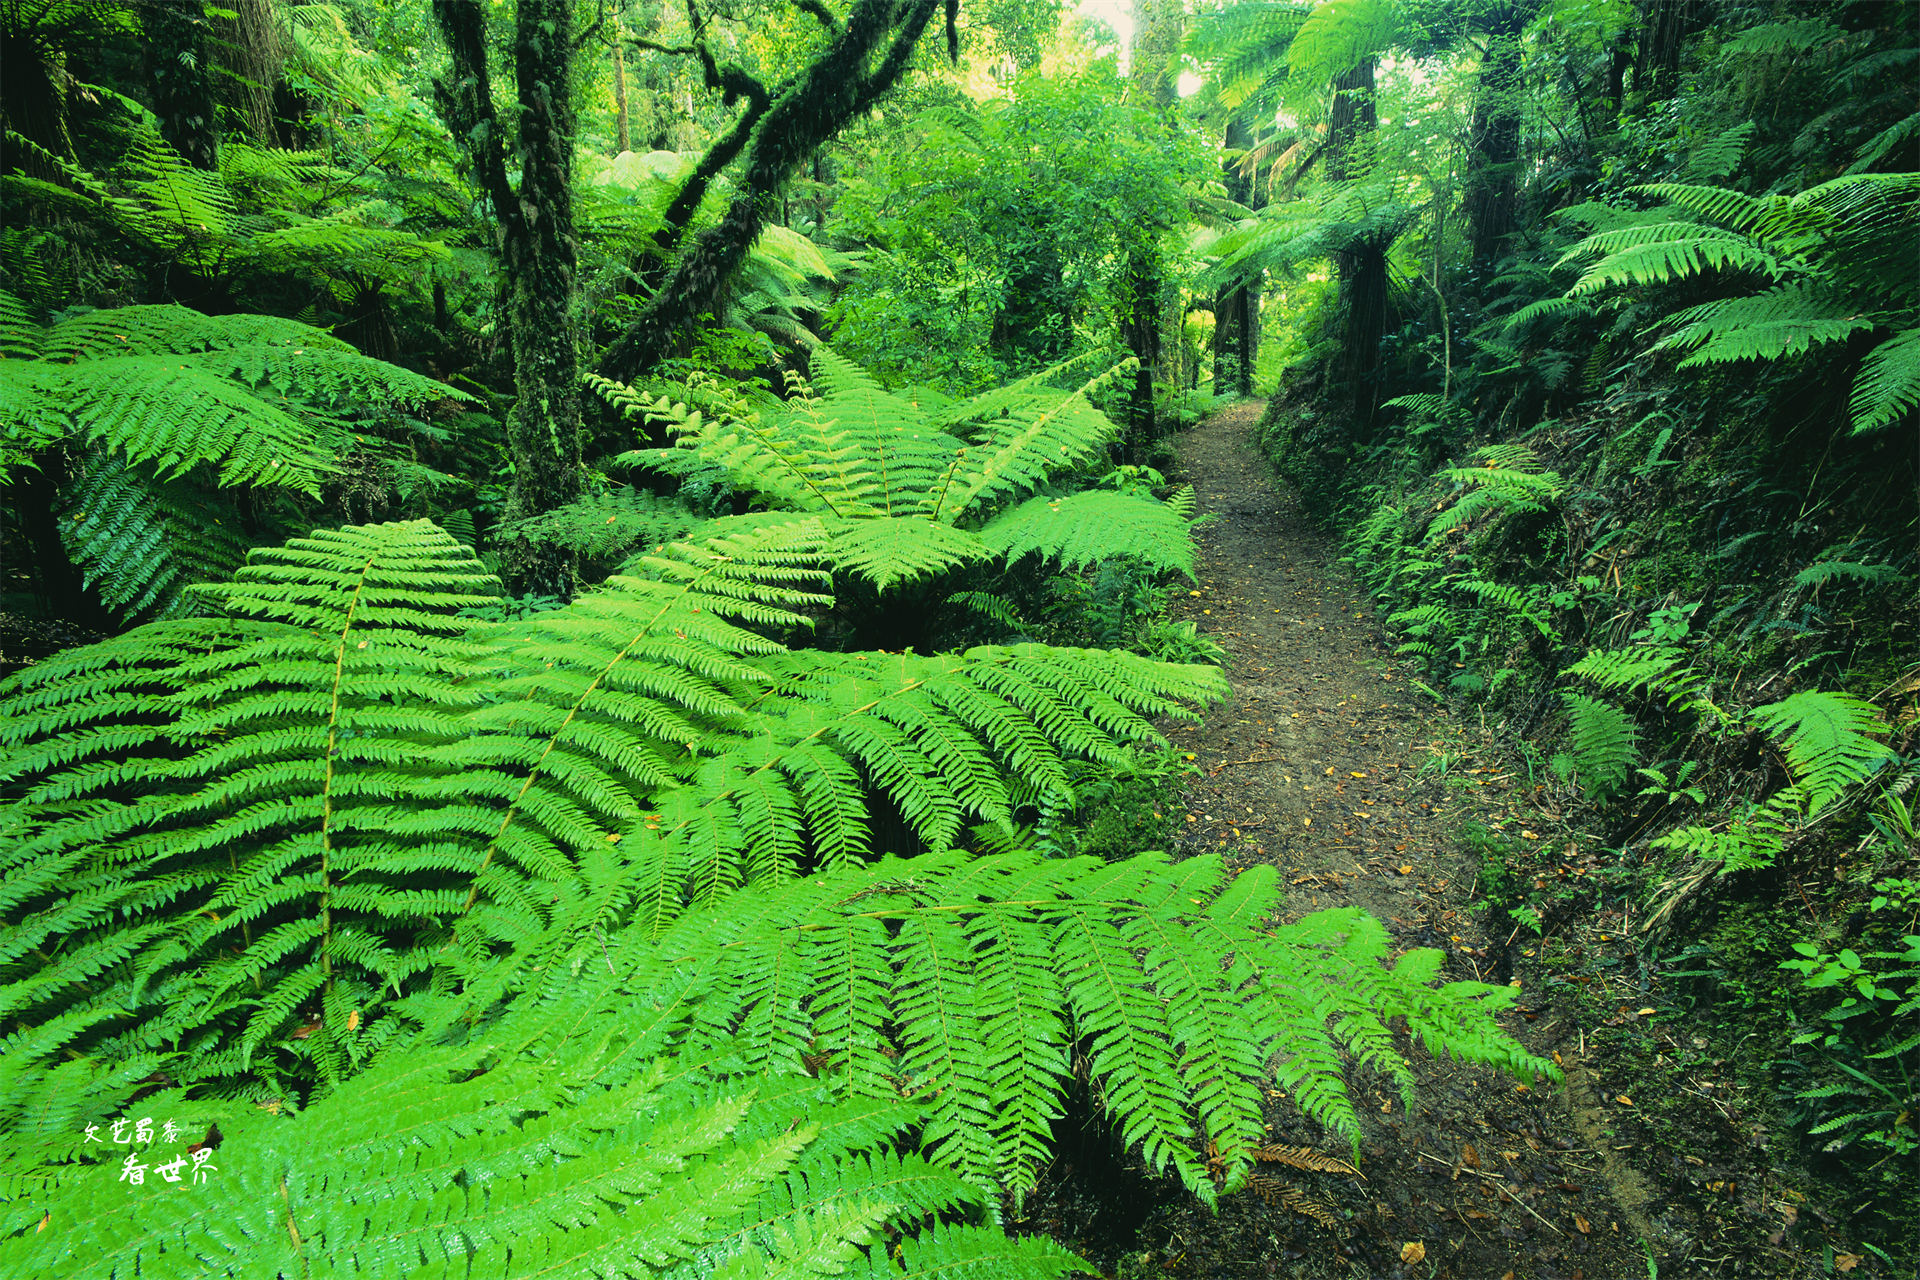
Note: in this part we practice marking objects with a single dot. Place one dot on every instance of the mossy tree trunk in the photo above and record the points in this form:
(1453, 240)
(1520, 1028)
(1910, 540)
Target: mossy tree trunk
(178, 51)
(538, 251)
(777, 132)
(1493, 160)
(1235, 308)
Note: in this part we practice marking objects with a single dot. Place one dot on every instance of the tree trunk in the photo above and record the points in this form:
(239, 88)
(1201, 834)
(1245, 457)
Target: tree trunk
(1362, 267)
(1233, 308)
(622, 139)
(1157, 28)
(777, 132)
(1493, 156)
(1140, 329)
(177, 48)
(538, 253)
(248, 47)
(1663, 27)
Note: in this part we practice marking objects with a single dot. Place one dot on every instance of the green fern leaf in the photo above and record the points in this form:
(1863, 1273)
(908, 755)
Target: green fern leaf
(1085, 528)
(1888, 385)
(1827, 741)
(1605, 743)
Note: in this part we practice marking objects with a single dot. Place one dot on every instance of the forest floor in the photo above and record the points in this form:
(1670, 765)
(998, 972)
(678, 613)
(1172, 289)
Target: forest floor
(1323, 763)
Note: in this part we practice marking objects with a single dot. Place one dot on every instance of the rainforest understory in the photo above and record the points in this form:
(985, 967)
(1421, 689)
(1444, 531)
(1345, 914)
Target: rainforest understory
(992, 639)
(1325, 763)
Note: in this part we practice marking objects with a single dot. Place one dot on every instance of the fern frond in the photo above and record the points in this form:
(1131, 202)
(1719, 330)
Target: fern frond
(1828, 738)
(1680, 250)
(1887, 387)
(1783, 321)
(1820, 573)
(1605, 742)
(607, 524)
(139, 541)
(1085, 528)
(1631, 669)
(1720, 155)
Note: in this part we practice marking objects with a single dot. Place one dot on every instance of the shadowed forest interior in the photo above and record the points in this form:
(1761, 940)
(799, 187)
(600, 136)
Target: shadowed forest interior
(806, 637)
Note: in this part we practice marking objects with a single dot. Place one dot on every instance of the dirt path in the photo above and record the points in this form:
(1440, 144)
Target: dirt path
(1313, 765)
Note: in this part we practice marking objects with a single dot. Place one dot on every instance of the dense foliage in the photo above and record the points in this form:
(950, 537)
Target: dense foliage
(571, 570)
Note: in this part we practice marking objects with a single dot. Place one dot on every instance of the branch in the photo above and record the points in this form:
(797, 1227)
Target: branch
(676, 50)
(777, 133)
(468, 105)
(819, 11)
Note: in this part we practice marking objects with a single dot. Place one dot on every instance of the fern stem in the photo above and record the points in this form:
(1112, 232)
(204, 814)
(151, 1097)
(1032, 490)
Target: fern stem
(326, 787)
(553, 739)
(293, 1229)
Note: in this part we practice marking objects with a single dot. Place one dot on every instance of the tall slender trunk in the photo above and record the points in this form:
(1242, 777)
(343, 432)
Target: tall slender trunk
(622, 139)
(1158, 25)
(1236, 308)
(248, 49)
(1493, 157)
(538, 252)
(1362, 267)
(177, 52)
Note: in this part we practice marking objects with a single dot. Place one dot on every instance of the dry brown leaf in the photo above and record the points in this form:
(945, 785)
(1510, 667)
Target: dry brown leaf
(1847, 1261)
(1280, 1191)
(1304, 1158)
(1624, 1100)
(1413, 1251)
(1582, 1224)
(1469, 1157)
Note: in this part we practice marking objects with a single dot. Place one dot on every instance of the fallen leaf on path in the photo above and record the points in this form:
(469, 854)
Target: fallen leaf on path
(1843, 1261)
(1413, 1251)
(1582, 1224)
(1624, 1100)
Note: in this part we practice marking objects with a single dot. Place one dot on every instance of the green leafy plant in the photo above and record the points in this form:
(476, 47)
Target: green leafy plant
(1825, 738)
(1605, 743)
(752, 1065)
(226, 832)
(1830, 256)
(899, 481)
(169, 408)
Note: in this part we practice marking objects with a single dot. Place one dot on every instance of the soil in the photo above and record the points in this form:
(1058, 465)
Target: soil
(1315, 765)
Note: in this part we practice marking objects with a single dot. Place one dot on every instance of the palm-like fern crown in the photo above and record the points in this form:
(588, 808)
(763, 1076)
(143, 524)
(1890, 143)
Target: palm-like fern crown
(1837, 259)
(892, 481)
(846, 448)
(293, 806)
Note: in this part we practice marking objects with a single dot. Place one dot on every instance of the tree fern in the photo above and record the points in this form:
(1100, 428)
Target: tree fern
(233, 828)
(895, 478)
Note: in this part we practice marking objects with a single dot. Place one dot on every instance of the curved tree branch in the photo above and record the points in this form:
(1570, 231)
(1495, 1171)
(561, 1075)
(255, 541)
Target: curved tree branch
(838, 86)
